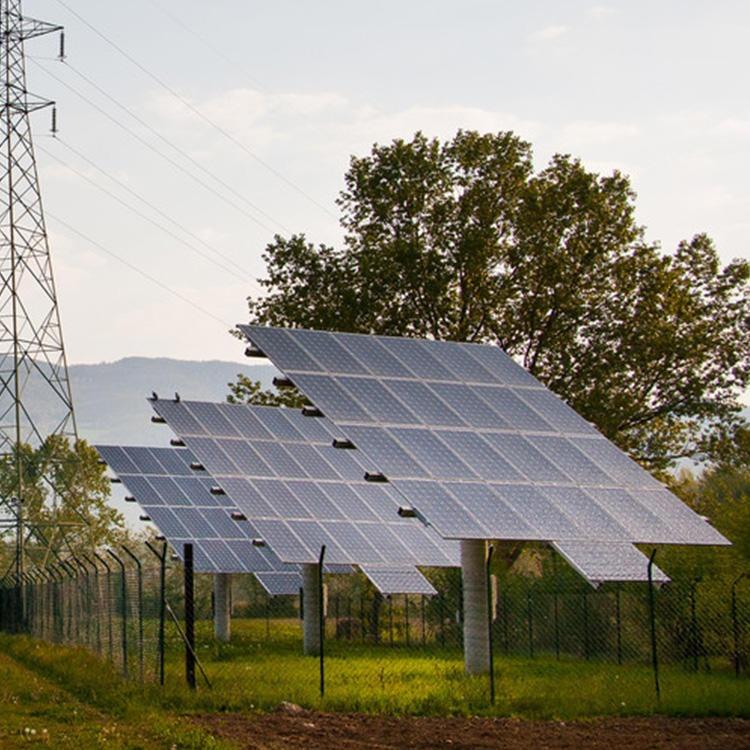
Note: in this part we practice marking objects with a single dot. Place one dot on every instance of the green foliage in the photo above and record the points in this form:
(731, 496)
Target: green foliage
(247, 391)
(463, 241)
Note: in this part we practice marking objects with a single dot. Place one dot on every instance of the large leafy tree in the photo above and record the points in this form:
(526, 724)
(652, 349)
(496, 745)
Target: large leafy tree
(463, 240)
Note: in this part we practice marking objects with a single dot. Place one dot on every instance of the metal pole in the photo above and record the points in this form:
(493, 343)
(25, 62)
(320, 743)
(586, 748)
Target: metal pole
(124, 612)
(321, 622)
(189, 616)
(652, 618)
(490, 551)
(139, 572)
(162, 557)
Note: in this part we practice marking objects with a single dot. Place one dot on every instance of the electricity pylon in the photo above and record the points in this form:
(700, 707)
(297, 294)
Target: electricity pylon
(35, 396)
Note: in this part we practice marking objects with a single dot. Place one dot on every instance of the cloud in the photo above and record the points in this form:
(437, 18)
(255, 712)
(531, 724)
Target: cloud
(548, 33)
(602, 11)
(588, 132)
(734, 126)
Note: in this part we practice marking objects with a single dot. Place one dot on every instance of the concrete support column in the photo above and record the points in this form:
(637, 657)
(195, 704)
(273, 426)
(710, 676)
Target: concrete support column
(476, 635)
(222, 607)
(311, 609)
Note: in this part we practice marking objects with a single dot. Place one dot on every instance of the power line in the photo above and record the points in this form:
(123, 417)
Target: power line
(140, 271)
(173, 146)
(196, 111)
(154, 149)
(140, 214)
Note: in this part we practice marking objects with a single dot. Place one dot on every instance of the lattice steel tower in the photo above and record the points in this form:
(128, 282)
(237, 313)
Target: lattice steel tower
(35, 397)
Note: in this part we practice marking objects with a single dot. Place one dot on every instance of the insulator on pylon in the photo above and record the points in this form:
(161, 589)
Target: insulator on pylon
(61, 56)
(54, 120)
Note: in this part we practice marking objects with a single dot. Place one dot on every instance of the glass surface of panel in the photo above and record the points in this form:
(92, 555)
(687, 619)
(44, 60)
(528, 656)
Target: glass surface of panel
(313, 429)
(280, 498)
(388, 455)
(211, 418)
(398, 580)
(276, 421)
(465, 402)
(608, 562)
(277, 344)
(344, 462)
(331, 398)
(142, 490)
(455, 357)
(424, 403)
(195, 523)
(415, 354)
(413, 535)
(387, 544)
(176, 462)
(327, 351)
(284, 542)
(351, 505)
(280, 584)
(380, 498)
(169, 491)
(594, 521)
(251, 557)
(245, 458)
(197, 490)
(373, 355)
(497, 518)
(352, 542)
(519, 452)
(244, 421)
(222, 557)
(315, 536)
(178, 417)
(641, 524)
(512, 409)
(614, 462)
(211, 456)
(279, 458)
(573, 462)
(117, 459)
(377, 400)
(222, 523)
(312, 461)
(315, 500)
(145, 461)
(486, 462)
(202, 561)
(247, 498)
(538, 511)
(168, 523)
(502, 367)
(432, 453)
(555, 410)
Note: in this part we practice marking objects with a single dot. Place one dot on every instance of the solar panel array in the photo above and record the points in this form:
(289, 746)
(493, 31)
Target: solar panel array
(181, 505)
(395, 580)
(599, 562)
(280, 469)
(480, 447)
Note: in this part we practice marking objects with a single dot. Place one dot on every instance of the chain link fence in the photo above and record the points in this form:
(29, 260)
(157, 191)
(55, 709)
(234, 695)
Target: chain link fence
(133, 609)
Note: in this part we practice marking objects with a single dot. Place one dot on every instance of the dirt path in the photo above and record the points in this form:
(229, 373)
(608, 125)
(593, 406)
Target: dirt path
(292, 729)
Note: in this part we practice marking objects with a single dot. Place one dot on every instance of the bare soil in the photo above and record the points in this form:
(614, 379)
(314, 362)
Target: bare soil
(292, 727)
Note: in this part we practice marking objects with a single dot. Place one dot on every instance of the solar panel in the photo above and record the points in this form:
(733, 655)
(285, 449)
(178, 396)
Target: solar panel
(390, 580)
(299, 492)
(598, 562)
(481, 448)
(280, 584)
(180, 504)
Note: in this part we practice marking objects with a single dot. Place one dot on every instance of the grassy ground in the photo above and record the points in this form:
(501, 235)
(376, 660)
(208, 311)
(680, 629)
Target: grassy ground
(64, 698)
(255, 672)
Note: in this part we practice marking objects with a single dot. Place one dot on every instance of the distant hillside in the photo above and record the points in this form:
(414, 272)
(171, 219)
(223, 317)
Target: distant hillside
(110, 398)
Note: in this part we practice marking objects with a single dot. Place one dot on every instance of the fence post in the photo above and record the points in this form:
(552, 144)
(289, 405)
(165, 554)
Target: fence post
(736, 627)
(97, 624)
(189, 615)
(162, 557)
(139, 573)
(652, 618)
(490, 613)
(321, 622)
(110, 639)
(124, 611)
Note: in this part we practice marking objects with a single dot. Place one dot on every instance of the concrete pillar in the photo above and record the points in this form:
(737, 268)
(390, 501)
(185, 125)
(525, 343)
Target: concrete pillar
(476, 635)
(311, 608)
(222, 607)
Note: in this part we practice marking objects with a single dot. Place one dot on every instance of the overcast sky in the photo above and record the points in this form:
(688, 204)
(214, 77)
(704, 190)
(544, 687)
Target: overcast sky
(655, 89)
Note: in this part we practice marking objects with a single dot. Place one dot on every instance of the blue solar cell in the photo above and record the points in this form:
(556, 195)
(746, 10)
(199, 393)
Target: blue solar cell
(505, 403)
(242, 419)
(212, 419)
(641, 524)
(352, 506)
(170, 492)
(145, 461)
(422, 547)
(221, 555)
(168, 523)
(432, 453)
(555, 410)
(245, 458)
(424, 403)
(280, 498)
(287, 355)
(480, 456)
(279, 424)
(313, 429)
(198, 490)
(593, 520)
(311, 459)
(327, 351)
(247, 498)
(179, 418)
(398, 580)
(250, 557)
(379, 402)
(520, 453)
(195, 523)
(385, 451)
(615, 463)
(331, 398)
(460, 362)
(541, 514)
(211, 456)
(498, 518)
(175, 462)
(354, 545)
(117, 459)
(313, 498)
(315, 536)
(224, 526)
(346, 463)
(497, 362)
(573, 462)
(284, 542)
(386, 542)
(276, 455)
(417, 358)
(142, 490)
(373, 355)
(280, 584)
(464, 400)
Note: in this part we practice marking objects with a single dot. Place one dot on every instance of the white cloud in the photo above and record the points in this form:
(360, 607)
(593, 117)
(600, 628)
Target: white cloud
(602, 11)
(734, 126)
(589, 132)
(548, 33)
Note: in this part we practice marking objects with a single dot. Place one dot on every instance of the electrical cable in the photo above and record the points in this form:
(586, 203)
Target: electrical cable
(196, 111)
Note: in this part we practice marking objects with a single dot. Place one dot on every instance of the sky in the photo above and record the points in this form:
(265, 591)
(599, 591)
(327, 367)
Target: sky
(266, 102)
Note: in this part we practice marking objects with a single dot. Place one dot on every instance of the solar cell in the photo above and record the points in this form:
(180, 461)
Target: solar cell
(480, 456)
(555, 411)
(574, 463)
(378, 401)
(390, 580)
(416, 357)
(422, 401)
(332, 399)
(280, 584)
(512, 410)
(433, 454)
(374, 356)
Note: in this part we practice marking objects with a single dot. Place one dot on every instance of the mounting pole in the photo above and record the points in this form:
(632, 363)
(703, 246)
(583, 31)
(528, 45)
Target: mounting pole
(476, 609)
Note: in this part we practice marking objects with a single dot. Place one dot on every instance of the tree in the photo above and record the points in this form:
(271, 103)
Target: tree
(248, 391)
(463, 241)
(65, 492)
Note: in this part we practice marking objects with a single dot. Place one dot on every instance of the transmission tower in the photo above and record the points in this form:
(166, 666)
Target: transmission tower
(35, 397)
